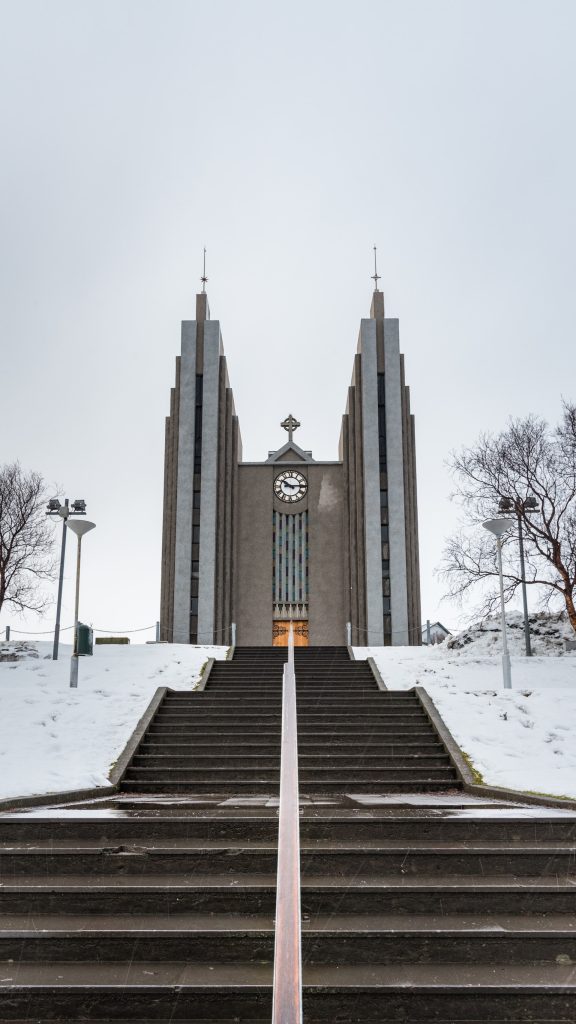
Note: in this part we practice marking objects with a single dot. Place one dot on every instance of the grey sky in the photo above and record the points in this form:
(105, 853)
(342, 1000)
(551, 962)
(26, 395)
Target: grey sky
(287, 139)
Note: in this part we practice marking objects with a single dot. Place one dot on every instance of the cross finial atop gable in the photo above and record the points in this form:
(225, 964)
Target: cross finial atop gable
(290, 424)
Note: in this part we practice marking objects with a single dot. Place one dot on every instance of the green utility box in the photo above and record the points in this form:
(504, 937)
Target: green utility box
(85, 639)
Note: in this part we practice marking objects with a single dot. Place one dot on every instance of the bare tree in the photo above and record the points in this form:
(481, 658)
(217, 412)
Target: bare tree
(527, 459)
(26, 539)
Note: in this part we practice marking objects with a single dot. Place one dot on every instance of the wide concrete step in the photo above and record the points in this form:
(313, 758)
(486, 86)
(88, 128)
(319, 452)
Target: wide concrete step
(217, 748)
(361, 860)
(326, 939)
(322, 687)
(326, 740)
(315, 707)
(306, 726)
(348, 770)
(274, 683)
(361, 680)
(320, 733)
(245, 893)
(335, 690)
(305, 721)
(344, 722)
(351, 669)
(232, 787)
(380, 823)
(184, 991)
(321, 666)
(341, 761)
(241, 701)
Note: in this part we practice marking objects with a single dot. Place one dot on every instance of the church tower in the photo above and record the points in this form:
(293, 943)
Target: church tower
(329, 546)
(202, 452)
(378, 452)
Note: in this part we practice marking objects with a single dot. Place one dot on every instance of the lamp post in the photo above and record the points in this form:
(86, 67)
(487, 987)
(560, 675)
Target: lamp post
(79, 527)
(54, 508)
(498, 527)
(519, 505)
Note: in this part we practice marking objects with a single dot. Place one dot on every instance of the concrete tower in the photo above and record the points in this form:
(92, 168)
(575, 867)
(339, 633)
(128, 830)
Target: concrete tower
(377, 449)
(202, 452)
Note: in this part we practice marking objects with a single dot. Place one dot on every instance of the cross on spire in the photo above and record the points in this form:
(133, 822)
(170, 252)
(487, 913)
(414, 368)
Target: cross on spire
(375, 275)
(204, 279)
(290, 424)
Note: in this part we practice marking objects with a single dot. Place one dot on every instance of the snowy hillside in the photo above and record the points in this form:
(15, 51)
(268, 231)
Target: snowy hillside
(524, 738)
(53, 738)
(548, 633)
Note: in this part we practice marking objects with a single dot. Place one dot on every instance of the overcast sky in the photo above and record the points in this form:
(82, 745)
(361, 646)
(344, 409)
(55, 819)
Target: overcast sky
(288, 139)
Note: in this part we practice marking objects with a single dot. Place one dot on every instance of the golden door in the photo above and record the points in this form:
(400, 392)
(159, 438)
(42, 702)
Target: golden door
(280, 630)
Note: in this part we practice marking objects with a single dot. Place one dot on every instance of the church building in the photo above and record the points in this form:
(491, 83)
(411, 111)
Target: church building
(250, 546)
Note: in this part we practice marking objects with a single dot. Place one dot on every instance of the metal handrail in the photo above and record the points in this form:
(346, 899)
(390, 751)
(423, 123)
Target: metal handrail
(287, 992)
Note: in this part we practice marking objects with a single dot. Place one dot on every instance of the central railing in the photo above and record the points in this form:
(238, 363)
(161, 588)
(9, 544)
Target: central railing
(287, 993)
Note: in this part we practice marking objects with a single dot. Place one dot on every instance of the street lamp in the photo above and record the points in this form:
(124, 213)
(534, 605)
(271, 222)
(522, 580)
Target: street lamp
(54, 508)
(499, 527)
(79, 527)
(519, 505)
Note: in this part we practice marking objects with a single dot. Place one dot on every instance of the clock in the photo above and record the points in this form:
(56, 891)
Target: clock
(290, 486)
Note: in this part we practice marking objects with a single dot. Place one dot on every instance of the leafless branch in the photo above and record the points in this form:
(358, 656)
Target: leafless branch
(26, 540)
(527, 459)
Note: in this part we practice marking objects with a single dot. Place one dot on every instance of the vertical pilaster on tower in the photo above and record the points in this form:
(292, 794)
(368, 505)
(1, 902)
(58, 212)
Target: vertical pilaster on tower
(371, 483)
(377, 307)
(202, 307)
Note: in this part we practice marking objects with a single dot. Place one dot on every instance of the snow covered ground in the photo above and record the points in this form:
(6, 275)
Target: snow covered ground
(524, 738)
(53, 738)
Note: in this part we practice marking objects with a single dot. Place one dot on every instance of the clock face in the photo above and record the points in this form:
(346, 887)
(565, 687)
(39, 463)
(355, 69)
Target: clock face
(290, 486)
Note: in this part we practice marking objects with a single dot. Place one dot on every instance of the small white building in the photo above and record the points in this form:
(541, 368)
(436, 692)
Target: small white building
(436, 631)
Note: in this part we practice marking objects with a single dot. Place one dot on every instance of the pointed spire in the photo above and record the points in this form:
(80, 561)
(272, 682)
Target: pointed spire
(375, 275)
(202, 308)
(377, 307)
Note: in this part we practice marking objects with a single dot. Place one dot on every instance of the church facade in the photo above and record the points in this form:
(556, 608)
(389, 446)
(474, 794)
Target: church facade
(249, 547)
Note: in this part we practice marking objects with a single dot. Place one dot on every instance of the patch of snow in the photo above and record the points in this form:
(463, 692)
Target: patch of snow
(523, 738)
(547, 633)
(53, 738)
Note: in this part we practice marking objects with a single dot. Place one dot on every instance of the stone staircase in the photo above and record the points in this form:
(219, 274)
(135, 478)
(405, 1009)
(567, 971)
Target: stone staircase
(352, 736)
(158, 905)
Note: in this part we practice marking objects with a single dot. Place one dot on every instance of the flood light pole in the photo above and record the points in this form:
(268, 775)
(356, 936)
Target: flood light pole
(498, 527)
(519, 506)
(79, 527)
(54, 508)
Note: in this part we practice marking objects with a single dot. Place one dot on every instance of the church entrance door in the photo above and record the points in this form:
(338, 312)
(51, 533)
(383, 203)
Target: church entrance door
(280, 630)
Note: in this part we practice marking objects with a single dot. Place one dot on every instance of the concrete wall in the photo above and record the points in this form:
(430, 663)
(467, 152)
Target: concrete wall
(253, 573)
(185, 478)
(395, 465)
(253, 576)
(209, 486)
(169, 512)
(327, 579)
(371, 472)
(379, 353)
